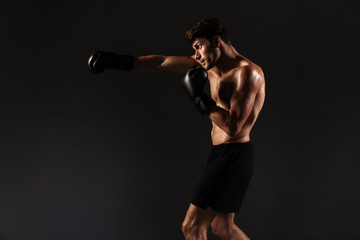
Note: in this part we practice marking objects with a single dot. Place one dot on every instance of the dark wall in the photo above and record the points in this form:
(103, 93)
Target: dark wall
(117, 155)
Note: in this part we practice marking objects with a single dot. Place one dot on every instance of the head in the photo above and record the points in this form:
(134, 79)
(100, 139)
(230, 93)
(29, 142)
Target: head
(206, 38)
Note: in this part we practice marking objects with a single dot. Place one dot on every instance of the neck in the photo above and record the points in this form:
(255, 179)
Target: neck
(228, 60)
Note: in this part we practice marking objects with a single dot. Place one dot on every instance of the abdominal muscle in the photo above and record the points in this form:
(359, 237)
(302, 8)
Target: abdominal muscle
(219, 136)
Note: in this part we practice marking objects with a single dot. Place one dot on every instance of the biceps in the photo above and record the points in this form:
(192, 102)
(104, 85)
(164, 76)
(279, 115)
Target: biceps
(241, 106)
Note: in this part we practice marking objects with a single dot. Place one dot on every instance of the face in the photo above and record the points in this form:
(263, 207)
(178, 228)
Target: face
(206, 53)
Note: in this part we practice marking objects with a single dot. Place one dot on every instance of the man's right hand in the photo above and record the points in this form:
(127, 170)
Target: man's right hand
(100, 61)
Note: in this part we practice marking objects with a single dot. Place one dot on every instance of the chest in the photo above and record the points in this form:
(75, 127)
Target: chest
(221, 90)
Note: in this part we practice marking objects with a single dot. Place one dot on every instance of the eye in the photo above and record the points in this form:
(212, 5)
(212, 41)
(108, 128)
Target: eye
(197, 46)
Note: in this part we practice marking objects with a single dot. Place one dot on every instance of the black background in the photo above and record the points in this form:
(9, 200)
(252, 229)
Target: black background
(117, 155)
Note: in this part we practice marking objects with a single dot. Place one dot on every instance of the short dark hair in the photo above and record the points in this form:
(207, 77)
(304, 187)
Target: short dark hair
(207, 28)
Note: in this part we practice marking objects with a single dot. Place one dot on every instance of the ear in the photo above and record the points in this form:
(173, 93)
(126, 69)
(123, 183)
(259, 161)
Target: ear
(216, 41)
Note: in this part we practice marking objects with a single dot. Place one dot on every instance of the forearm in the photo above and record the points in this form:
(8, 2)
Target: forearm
(222, 118)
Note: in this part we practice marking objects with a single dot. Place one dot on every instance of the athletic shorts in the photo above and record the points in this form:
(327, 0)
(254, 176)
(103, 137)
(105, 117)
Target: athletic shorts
(226, 177)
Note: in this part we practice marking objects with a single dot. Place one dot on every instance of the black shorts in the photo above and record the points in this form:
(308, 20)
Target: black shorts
(226, 177)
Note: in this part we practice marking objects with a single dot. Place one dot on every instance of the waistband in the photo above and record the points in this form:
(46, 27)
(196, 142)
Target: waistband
(224, 146)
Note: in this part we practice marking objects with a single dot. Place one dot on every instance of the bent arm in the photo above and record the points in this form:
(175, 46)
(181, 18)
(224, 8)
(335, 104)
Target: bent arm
(160, 63)
(241, 104)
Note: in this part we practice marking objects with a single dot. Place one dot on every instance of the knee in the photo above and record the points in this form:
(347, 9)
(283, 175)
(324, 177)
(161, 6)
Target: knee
(191, 230)
(187, 228)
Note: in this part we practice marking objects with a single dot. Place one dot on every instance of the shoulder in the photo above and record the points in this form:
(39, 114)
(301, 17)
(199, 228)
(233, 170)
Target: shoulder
(250, 71)
(249, 75)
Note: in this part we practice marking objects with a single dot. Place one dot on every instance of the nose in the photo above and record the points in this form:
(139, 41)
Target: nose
(197, 55)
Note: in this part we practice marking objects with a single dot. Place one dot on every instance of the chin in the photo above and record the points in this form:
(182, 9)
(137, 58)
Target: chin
(209, 64)
(208, 67)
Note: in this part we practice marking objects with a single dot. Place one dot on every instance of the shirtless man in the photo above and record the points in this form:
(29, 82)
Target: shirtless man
(237, 88)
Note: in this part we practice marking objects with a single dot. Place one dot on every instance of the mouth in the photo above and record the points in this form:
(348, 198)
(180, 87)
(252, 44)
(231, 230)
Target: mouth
(202, 62)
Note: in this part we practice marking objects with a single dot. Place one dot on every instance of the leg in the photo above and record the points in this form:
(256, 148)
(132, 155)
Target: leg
(223, 226)
(196, 223)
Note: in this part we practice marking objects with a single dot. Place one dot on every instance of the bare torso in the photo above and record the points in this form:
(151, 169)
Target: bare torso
(222, 88)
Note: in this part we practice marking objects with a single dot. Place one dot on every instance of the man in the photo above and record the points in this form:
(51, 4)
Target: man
(237, 88)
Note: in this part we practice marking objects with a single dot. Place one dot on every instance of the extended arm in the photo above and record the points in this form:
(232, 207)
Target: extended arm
(241, 103)
(100, 61)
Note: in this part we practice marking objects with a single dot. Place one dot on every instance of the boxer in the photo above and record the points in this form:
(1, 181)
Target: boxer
(237, 94)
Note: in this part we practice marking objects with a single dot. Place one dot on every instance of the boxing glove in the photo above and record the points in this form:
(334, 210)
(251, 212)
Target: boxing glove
(100, 61)
(193, 84)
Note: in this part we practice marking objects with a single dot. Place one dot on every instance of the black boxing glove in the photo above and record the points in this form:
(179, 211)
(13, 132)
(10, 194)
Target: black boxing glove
(100, 61)
(194, 84)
